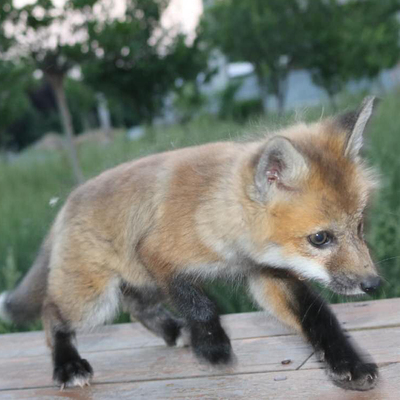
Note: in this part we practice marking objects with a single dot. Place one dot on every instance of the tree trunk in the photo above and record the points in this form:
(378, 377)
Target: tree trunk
(332, 100)
(381, 85)
(281, 97)
(282, 89)
(57, 84)
(103, 113)
(263, 88)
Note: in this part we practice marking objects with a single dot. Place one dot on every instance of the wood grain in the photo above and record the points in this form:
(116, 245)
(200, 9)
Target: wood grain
(253, 356)
(304, 385)
(131, 363)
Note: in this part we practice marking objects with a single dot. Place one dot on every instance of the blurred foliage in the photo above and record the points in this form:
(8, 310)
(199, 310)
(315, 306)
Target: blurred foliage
(16, 80)
(244, 110)
(9, 272)
(132, 59)
(138, 73)
(265, 33)
(82, 104)
(228, 98)
(28, 108)
(188, 102)
(348, 40)
(238, 110)
(375, 42)
(137, 63)
(336, 40)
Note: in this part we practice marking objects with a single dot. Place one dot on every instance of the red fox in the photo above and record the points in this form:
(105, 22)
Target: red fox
(277, 212)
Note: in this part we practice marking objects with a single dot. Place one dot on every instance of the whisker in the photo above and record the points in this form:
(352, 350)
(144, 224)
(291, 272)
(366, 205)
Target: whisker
(386, 259)
(386, 280)
(390, 213)
(308, 309)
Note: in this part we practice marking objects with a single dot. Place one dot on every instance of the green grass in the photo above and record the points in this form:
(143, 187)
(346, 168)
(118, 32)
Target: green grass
(29, 182)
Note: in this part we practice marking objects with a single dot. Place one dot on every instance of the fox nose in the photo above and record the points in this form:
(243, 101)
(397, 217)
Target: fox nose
(370, 284)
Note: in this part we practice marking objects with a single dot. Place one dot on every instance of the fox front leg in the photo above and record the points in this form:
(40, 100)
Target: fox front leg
(297, 306)
(208, 339)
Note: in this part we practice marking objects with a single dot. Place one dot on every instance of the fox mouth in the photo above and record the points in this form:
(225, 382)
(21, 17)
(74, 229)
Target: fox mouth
(342, 284)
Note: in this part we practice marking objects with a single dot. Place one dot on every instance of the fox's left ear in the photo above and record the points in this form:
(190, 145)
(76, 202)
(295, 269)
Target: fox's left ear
(278, 167)
(354, 124)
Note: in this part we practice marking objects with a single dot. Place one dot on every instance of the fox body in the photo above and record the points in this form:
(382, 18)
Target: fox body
(276, 212)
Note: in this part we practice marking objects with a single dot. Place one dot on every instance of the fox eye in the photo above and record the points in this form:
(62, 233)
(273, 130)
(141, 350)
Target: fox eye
(320, 239)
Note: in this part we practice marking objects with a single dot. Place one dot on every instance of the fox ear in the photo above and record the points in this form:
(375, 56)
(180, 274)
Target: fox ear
(354, 124)
(279, 165)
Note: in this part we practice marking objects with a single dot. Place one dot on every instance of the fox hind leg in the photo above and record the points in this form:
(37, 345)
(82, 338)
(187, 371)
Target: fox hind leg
(79, 297)
(208, 338)
(145, 305)
(70, 369)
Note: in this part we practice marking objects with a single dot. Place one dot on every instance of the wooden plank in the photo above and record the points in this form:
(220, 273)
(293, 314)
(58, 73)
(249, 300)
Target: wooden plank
(32, 344)
(134, 335)
(369, 314)
(304, 384)
(362, 315)
(254, 355)
(357, 315)
(382, 344)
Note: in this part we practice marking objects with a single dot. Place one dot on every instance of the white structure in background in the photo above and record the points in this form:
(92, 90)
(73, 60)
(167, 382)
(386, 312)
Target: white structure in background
(103, 113)
(301, 92)
(136, 132)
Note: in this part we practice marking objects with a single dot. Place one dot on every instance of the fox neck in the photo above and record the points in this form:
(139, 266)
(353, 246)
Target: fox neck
(226, 221)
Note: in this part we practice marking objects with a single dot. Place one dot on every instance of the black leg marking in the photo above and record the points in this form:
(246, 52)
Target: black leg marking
(69, 368)
(210, 342)
(346, 366)
(208, 338)
(145, 305)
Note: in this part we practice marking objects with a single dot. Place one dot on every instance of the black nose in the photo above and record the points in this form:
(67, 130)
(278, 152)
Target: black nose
(370, 284)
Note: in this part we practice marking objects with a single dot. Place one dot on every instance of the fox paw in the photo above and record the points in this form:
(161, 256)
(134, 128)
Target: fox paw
(361, 376)
(172, 330)
(73, 373)
(184, 338)
(212, 346)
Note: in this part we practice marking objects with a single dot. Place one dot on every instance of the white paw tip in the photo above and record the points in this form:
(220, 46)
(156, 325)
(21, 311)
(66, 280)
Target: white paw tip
(80, 381)
(183, 339)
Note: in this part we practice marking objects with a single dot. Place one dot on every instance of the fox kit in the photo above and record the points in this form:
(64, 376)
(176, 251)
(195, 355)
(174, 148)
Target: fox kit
(275, 212)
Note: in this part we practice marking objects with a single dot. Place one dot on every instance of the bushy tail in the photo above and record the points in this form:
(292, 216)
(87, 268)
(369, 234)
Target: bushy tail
(24, 303)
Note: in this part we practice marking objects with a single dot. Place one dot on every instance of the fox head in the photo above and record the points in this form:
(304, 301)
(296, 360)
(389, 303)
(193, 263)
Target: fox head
(311, 188)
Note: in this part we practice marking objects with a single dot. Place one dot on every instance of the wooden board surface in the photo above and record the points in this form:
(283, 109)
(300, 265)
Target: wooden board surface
(131, 363)
(300, 385)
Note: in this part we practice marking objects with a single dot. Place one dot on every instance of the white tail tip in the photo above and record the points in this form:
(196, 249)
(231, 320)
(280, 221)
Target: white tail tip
(4, 315)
